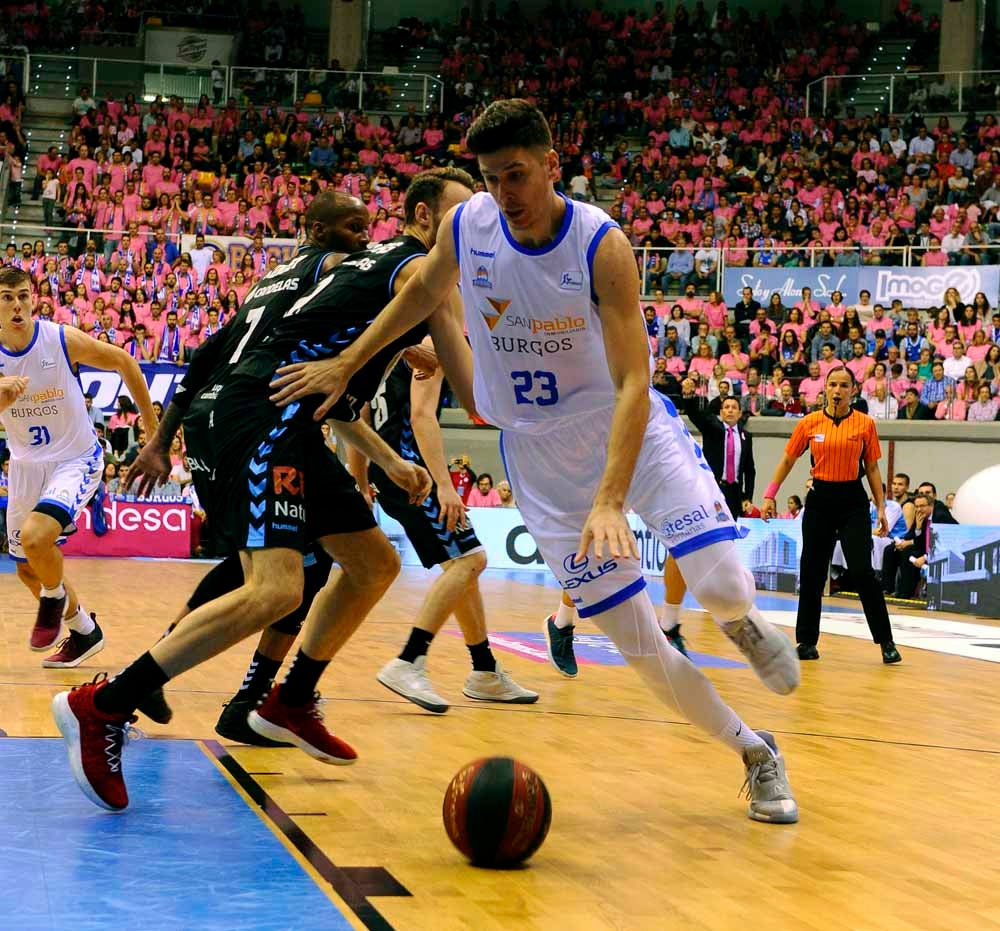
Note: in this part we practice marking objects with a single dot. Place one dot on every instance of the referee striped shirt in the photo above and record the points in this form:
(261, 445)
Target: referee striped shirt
(840, 447)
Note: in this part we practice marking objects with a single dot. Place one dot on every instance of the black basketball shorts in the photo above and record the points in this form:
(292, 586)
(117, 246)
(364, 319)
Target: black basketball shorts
(422, 523)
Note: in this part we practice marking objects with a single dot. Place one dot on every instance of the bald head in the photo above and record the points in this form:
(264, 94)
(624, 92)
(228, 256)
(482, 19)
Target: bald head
(337, 222)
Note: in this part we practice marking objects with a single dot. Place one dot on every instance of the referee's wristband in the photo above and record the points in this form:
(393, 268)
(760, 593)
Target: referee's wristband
(772, 491)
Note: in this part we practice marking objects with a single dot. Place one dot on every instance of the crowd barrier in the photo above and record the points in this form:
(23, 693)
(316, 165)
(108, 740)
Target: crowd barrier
(963, 569)
(161, 377)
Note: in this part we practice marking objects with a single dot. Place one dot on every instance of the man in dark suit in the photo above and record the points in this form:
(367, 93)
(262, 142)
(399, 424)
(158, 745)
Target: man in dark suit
(744, 310)
(728, 450)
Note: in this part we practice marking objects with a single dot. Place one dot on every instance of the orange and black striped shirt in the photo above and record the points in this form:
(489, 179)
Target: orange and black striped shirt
(840, 448)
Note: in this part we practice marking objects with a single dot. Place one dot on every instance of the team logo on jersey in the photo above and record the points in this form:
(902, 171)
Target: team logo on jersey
(499, 306)
(571, 281)
(721, 517)
(482, 279)
(288, 480)
(48, 364)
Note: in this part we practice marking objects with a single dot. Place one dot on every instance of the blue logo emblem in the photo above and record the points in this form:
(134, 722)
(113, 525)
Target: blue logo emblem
(482, 279)
(571, 281)
(572, 566)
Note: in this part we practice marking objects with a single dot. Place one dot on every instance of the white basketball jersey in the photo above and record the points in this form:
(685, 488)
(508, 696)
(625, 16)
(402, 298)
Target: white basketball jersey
(49, 422)
(532, 317)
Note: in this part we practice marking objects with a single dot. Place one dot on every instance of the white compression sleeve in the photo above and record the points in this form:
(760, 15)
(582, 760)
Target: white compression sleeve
(633, 628)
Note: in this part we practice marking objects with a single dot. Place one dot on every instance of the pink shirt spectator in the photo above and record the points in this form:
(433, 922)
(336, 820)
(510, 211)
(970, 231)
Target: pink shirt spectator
(810, 388)
(477, 499)
(860, 367)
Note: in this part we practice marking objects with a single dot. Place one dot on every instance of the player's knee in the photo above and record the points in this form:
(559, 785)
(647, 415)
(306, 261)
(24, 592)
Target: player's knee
(38, 534)
(726, 594)
(470, 566)
(277, 599)
(388, 567)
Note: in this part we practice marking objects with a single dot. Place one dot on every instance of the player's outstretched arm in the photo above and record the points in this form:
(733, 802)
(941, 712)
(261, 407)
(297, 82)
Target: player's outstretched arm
(425, 291)
(453, 349)
(83, 350)
(616, 283)
(410, 477)
(424, 397)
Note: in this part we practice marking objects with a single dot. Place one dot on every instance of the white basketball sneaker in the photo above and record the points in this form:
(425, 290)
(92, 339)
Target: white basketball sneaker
(410, 680)
(497, 686)
(767, 785)
(768, 650)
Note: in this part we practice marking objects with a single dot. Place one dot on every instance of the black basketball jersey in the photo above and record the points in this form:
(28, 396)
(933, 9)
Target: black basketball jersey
(391, 412)
(265, 304)
(331, 316)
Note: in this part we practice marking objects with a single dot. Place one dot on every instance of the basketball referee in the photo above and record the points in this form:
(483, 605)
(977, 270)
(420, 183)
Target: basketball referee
(843, 445)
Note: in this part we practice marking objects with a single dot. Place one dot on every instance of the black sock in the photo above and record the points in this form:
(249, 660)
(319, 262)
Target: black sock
(259, 677)
(125, 691)
(302, 679)
(417, 645)
(482, 657)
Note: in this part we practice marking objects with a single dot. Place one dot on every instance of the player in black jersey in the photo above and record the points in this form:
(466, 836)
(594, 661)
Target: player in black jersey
(276, 490)
(337, 225)
(405, 414)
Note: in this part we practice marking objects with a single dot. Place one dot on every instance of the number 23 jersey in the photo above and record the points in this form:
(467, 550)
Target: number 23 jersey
(532, 317)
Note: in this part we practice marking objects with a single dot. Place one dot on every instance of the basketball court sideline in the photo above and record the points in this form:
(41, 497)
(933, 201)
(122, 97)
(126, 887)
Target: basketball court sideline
(889, 764)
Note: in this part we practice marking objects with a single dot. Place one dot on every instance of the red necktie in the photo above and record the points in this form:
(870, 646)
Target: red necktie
(730, 456)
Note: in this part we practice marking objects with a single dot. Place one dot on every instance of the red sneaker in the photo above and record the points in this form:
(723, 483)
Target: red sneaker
(94, 741)
(48, 622)
(76, 648)
(301, 725)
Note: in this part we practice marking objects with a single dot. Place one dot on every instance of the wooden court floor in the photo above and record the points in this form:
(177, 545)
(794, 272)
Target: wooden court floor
(895, 770)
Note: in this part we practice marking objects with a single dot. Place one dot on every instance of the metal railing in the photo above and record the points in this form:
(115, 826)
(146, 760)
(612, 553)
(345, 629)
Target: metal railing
(17, 58)
(904, 91)
(59, 77)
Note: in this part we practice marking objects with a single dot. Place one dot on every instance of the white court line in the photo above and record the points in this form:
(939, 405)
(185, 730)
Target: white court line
(957, 638)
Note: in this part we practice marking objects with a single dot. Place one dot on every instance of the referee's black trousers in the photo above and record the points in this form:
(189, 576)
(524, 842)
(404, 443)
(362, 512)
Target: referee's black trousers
(838, 510)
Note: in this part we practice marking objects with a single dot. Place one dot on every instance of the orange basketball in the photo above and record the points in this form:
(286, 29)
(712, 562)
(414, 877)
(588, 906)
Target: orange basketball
(497, 811)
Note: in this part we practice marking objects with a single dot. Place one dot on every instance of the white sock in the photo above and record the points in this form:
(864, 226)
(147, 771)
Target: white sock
(671, 616)
(670, 675)
(565, 616)
(81, 622)
(58, 592)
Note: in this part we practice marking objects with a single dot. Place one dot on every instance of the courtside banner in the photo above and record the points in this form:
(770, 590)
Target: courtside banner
(162, 378)
(135, 528)
(925, 287)
(789, 282)
(235, 247)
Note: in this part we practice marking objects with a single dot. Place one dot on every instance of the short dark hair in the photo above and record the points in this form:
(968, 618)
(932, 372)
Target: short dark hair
(506, 124)
(929, 485)
(904, 476)
(841, 368)
(428, 186)
(11, 276)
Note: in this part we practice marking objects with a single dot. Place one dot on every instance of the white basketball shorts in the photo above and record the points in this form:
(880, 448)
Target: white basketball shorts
(63, 487)
(556, 475)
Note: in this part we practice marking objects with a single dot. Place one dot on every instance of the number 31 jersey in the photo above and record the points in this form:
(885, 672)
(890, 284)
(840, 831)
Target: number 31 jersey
(532, 317)
(50, 421)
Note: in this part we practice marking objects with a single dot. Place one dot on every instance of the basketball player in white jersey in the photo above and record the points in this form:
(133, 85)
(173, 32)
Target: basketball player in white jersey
(561, 363)
(56, 461)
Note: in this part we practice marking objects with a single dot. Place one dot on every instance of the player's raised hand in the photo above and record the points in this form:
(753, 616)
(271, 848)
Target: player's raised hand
(11, 388)
(453, 509)
(422, 359)
(301, 379)
(150, 468)
(607, 527)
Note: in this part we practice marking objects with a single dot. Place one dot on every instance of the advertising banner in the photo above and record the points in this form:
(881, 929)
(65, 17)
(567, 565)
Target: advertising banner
(235, 247)
(135, 528)
(162, 379)
(963, 571)
(925, 287)
(789, 282)
(188, 47)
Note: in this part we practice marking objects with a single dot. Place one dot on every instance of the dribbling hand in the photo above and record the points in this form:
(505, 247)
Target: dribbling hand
(151, 468)
(297, 381)
(607, 525)
(768, 510)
